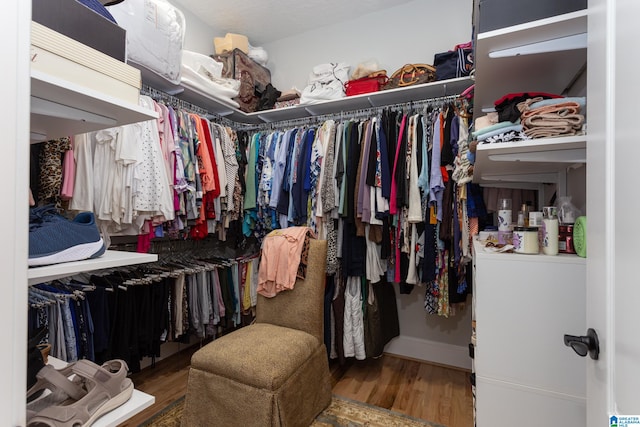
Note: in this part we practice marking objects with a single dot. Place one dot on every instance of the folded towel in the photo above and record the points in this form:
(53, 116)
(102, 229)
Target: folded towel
(486, 135)
(580, 100)
(573, 120)
(500, 125)
(552, 124)
(550, 132)
(561, 109)
(485, 121)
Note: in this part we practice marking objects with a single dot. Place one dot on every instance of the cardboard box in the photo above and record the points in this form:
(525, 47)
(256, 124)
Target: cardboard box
(229, 42)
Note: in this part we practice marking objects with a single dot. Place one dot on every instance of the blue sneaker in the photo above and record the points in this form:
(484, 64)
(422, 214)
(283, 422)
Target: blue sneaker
(53, 239)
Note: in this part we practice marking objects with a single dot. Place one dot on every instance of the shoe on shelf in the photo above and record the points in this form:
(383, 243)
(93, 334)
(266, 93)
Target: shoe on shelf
(53, 387)
(81, 393)
(54, 239)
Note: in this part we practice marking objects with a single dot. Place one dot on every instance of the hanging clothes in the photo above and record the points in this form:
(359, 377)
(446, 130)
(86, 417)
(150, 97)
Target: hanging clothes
(175, 174)
(127, 313)
(390, 191)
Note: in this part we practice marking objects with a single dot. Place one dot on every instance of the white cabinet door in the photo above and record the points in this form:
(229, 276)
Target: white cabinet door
(524, 306)
(500, 404)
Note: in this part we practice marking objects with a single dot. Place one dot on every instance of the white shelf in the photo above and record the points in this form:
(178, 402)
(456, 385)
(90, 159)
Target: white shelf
(357, 102)
(138, 402)
(110, 259)
(351, 103)
(62, 108)
(543, 56)
(561, 258)
(536, 160)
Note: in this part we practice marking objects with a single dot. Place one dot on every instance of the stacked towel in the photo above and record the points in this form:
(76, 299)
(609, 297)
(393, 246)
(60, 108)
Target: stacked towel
(531, 116)
(500, 132)
(552, 117)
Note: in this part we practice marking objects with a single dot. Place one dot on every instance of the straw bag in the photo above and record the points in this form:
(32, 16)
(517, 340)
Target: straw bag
(411, 74)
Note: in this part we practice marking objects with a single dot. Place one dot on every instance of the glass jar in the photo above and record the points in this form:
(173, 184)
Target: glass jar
(525, 240)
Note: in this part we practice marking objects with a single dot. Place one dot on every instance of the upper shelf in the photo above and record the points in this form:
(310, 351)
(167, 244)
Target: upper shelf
(364, 101)
(351, 103)
(546, 55)
(62, 108)
(536, 160)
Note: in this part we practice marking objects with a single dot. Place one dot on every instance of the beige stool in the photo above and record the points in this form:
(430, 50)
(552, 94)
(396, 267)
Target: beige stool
(271, 373)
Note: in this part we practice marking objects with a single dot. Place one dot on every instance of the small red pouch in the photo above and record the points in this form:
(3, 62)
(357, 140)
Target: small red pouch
(365, 85)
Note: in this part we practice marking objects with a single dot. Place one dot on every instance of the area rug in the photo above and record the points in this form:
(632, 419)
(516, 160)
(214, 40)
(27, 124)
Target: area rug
(342, 412)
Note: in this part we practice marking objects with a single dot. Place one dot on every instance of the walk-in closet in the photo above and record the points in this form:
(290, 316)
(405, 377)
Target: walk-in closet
(186, 133)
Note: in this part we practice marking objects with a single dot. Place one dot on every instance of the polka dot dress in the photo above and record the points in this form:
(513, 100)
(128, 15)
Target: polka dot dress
(150, 192)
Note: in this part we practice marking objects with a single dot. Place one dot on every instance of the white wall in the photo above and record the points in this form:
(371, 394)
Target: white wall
(198, 35)
(431, 337)
(409, 33)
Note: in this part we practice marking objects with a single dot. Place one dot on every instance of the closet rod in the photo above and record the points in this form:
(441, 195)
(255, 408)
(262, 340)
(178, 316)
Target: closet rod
(351, 114)
(161, 96)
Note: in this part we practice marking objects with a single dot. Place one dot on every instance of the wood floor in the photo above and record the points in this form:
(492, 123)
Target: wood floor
(422, 390)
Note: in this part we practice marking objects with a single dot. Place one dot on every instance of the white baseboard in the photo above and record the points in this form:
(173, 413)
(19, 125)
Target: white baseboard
(430, 351)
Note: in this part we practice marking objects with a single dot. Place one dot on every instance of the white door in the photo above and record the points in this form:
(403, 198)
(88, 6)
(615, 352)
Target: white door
(613, 154)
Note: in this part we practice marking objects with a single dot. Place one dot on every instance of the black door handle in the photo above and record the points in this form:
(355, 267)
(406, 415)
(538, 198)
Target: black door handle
(584, 344)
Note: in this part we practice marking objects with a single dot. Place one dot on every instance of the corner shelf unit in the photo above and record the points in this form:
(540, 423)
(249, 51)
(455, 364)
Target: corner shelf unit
(351, 103)
(547, 55)
(61, 108)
